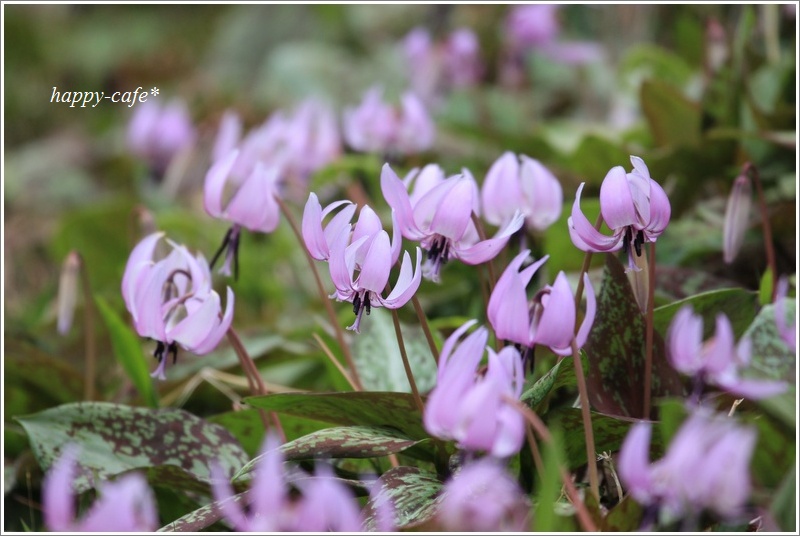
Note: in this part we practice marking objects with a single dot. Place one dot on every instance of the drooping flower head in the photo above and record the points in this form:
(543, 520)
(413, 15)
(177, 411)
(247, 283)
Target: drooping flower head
(172, 302)
(438, 214)
(473, 410)
(158, 133)
(633, 205)
(706, 467)
(737, 217)
(716, 361)
(523, 185)
(125, 505)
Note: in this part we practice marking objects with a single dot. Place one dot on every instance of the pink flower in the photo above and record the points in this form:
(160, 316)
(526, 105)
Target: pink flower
(482, 497)
(474, 411)
(172, 302)
(705, 468)
(633, 205)
(716, 361)
(462, 61)
(549, 320)
(158, 133)
(438, 214)
(737, 217)
(523, 185)
(125, 505)
(532, 25)
(228, 136)
(377, 127)
(787, 332)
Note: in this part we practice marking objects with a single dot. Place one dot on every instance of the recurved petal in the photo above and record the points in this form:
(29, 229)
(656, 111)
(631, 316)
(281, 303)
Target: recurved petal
(196, 327)
(368, 223)
(508, 305)
(501, 194)
(684, 341)
(341, 275)
(489, 248)
(125, 505)
(453, 212)
(396, 195)
(377, 264)
(718, 354)
(253, 206)
(660, 211)
(634, 463)
(584, 235)
(407, 283)
(616, 200)
(451, 341)
(269, 484)
(220, 330)
(224, 497)
(141, 256)
(215, 184)
(591, 308)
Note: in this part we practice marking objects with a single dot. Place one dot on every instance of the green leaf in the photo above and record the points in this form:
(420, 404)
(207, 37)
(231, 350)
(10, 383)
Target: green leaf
(205, 516)
(549, 489)
(562, 374)
(626, 516)
(413, 493)
(616, 349)
(765, 287)
(774, 453)
(738, 304)
(378, 359)
(116, 438)
(770, 356)
(784, 505)
(128, 351)
(394, 410)
(673, 119)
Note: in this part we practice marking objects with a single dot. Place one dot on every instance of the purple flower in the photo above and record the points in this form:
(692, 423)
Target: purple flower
(172, 302)
(423, 65)
(532, 25)
(716, 361)
(325, 504)
(462, 61)
(523, 185)
(633, 205)
(438, 214)
(787, 332)
(228, 136)
(548, 320)
(482, 497)
(125, 505)
(737, 217)
(158, 133)
(705, 468)
(474, 411)
(377, 127)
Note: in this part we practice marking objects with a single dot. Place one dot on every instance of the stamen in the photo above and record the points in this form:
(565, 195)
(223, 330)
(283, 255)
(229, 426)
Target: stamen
(356, 304)
(221, 248)
(367, 305)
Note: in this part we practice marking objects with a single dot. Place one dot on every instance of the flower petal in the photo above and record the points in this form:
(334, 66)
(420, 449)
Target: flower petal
(591, 309)
(584, 235)
(454, 211)
(543, 193)
(489, 248)
(660, 212)
(634, 463)
(254, 206)
(501, 195)
(508, 305)
(557, 322)
(396, 195)
(407, 283)
(215, 184)
(221, 330)
(58, 496)
(377, 265)
(684, 341)
(616, 200)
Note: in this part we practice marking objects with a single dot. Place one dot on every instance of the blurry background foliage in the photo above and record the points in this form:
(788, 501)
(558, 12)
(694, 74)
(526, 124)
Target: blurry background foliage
(70, 184)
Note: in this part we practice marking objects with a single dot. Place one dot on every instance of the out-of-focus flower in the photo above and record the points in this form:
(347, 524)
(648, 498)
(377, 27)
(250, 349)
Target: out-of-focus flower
(737, 217)
(716, 361)
(482, 497)
(252, 206)
(549, 319)
(157, 133)
(172, 302)
(125, 505)
(68, 291)
(462, 60)
(318, 240)
(716, 45)
(787, 332)
(532, 25)
(523, 185)
(474, 411)
(438, 214)
(705, 468)
(324, 504)
(228, 136)
(633, 205)
(378, 127)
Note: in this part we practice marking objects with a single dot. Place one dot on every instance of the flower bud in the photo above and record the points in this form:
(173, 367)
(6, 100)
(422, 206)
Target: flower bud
(737, 218)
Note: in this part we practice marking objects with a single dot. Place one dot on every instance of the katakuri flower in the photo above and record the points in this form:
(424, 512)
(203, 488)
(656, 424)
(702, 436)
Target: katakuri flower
(158, 133)
(474, 411)
(125, 505)
(706, 467)
(633, 205)
(172, 302)
(788, 332)
(716, 361)
(523, 185)
(548, 319)
(252, 205)
(438, 214)
(737, 217)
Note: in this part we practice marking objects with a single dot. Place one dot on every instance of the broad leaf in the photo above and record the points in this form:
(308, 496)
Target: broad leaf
(203, 517)
(563, 373)
(771, 357)
(114, 438)
(415, 495)
(673, 119)
(739, 305)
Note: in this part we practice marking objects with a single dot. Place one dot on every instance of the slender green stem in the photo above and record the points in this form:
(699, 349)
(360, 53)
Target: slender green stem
(91, 346)
(325, 300)
(752, 172)
(648, 361)
(423, 321)
(406, 365)
(591, 457)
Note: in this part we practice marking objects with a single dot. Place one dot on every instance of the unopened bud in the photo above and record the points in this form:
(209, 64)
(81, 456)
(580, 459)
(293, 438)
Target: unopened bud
(737, 217)
(68, 291)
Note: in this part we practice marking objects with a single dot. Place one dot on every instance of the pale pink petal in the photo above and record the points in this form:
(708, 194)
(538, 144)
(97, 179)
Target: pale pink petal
(543, 193)
(142, 255)
(377, 265)
(125, 505)
(616, 200)
(396, 195)
(591, 308)
(634, 463)
(254, 206)
(215, 184)
(224, 497)
(193, 330)
(660, 212)
(431, 176)
(452, 214)
(58, 497)
(269, 484)
(450, 343)
(488, 249)
(220, 330)
(557, 322)
(719, 353)
(584, 235)
(508, 305)
(228, 135)
(407, 283)
(752, 389)
(337, 263)
(684, 341)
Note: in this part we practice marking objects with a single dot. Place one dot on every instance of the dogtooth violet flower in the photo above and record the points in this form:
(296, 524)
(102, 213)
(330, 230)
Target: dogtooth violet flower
(438, 214)
(473, 410)
(125, 505)
(158, 133)
(786, 331)
(483, 497)
(172, 302)
(548, 319)
(706, 467)
(364, 248)
(252, 206)
(521, 184)
(633, 205)
(737, 217)
(716, 361)
(323, 504)
(376, 126)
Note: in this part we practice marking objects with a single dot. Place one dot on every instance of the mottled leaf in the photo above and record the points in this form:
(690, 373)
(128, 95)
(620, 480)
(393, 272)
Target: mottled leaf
(203, 517)
(378, 359)
(116, 438)
(739, 305)
(774, 453)
(679, 282)
(394, 410)
(413, 493)
(563, 373)
(128, 351)
(771, 357)
(616, 348)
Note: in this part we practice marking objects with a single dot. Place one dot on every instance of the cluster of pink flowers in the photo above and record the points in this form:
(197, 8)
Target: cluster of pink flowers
(157, 133)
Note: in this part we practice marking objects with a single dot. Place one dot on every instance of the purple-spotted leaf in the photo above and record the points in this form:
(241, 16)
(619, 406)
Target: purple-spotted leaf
(414, 494)
(394, 410)
(203, 517)
(114, 438)
(562, 374)
(616, 349)
(771, 357)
